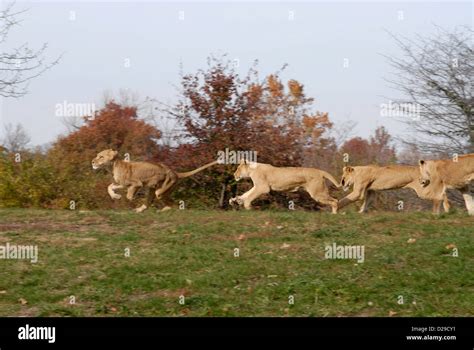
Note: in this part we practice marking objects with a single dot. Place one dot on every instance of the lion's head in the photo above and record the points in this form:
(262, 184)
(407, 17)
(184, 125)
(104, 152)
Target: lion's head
(103, 158)
(348, 177)
(243, 170)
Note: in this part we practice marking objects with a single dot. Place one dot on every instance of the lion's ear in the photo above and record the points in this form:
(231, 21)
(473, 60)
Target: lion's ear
(421, 162)
(348, 169)
(242, 161)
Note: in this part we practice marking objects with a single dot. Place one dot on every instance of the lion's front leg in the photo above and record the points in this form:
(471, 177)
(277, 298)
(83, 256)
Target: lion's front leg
(357, 193)
(111, 190)
(238, 200)
(249, 196)
(469, 200)
(253, 194)
(367, 195)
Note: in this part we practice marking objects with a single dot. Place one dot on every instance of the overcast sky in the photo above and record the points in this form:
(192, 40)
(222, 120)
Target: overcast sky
(97, 39)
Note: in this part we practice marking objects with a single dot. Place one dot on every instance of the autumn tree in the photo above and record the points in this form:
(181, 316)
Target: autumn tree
(218, 109)
(26, 178)
(356, 151)
(381, 148)
(378, 149)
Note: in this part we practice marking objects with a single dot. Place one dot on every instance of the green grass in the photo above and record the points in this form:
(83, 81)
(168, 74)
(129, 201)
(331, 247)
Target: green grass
(191, 253)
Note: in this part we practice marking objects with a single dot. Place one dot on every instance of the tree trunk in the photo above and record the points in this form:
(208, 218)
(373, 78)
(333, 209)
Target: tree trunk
(222, 196)
(471, 135)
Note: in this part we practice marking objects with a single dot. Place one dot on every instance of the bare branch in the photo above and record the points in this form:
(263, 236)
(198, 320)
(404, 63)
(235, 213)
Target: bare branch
(22, 64)
(436, 74)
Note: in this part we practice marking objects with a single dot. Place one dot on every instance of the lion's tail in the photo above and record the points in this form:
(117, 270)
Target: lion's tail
(192, 172)
(328, 176)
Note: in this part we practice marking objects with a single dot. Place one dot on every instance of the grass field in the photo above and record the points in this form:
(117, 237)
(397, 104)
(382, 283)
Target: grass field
(190, 253)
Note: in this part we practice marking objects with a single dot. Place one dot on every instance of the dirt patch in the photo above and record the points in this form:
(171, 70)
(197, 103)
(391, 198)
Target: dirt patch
(38, 226)
(241, 237)
(55, 227)
(28, 312)
(165, 293)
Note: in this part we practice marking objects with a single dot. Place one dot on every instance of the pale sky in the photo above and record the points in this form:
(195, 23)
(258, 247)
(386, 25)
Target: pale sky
(151, 36)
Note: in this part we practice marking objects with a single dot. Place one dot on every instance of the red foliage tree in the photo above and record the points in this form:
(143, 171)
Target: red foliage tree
(220, 110)
(376, 150)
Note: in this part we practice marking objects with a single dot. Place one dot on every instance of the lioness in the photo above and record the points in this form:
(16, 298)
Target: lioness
(266, 177)
(370, 178)
(135, 175)
(438, 175)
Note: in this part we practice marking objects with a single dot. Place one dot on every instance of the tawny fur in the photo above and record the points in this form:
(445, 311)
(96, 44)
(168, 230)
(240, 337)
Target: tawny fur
(266, 177)
(457, 173)
(135, 175)
(370, 178)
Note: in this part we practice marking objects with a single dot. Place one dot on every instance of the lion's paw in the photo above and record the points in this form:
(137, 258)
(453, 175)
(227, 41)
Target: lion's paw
(115, 196)
(238, 200)
(140, 209)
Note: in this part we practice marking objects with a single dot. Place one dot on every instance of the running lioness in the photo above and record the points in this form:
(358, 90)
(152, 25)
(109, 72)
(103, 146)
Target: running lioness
(370, 178)
(266, 177)
(134, 175)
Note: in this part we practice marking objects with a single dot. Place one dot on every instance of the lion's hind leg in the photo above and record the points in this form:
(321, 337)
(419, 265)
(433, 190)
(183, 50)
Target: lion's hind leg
(166, 186)
(167, 201)
(326, 199)
(446, 205)
(149, 197)
(320, 193)
(163, 194)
